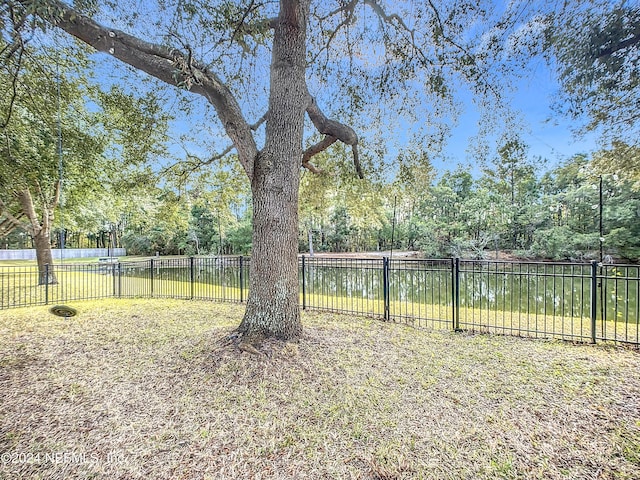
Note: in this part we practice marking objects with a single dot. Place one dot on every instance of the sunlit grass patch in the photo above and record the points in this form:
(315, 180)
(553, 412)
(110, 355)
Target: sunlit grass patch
(143, 389)
(440, 316)
(19, 286)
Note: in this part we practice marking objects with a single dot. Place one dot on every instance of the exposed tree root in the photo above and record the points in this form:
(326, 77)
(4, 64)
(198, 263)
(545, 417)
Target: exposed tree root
(245, 343)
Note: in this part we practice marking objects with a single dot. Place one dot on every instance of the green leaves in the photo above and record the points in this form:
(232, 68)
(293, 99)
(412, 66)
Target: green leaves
(597, 55)
(137, 126)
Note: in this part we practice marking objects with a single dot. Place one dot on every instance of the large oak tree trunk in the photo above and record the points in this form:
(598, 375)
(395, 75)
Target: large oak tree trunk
(273, 303)
(46, 272)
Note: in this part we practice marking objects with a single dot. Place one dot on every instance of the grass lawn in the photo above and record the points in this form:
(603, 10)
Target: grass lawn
(143, 389)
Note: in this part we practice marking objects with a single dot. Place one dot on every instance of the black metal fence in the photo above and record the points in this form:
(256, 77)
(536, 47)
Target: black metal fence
(581, 302)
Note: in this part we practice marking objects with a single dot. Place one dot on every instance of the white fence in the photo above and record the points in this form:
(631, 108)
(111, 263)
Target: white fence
(30, 254)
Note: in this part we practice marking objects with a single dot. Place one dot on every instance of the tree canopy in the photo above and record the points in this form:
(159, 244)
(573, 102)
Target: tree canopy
(64, 141)
(597, 58)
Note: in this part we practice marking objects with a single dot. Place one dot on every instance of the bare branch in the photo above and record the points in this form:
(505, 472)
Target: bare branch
(389, 18)
(213, 158)
(349, 8)
(198, 163)
(184, 169)
(261, 120)
(335, 129)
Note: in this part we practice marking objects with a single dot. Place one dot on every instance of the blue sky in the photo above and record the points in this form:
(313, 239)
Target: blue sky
(548, 134)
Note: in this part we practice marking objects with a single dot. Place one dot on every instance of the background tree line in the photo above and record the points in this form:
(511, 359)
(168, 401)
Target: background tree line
(515, 204)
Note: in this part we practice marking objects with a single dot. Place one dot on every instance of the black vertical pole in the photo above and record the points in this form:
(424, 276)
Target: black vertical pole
(151, 274)
(456, 295)
(393, 226)
(594, 299)
(385, 286)
(601, 245)
(192, 275)
(119, 280)
(113, 277)
(601, 229)
(304, 285)
(241, 279)
(46, 284)
(219, 235)
(453, 292)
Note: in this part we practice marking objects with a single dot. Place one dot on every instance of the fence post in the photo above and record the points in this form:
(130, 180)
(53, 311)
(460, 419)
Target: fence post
(113, 277)
(241, 279)
(192, 275)
(304, 285)
(119, 280)
(151, 276)
(385, 286)
(455, 270)
(594, 299)
(46, 284)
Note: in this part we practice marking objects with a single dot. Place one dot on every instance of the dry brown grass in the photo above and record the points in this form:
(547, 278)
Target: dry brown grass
(142, 389)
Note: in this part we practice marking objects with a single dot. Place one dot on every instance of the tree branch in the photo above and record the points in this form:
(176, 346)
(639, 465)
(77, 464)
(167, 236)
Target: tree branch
(348, 9)
(18, 20)
(390, 18)
(13, 220)
(394, 16)
(243, 29)
(49, 209)
(14, 87)
(26, 202)
(199, 163)
(169, 65)
(7, 225)
(55, 199)
(321, 146)
(189, 167)
(241, 22)
(261, 120)
(629, 42)
(469, 57)
(334, 129)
